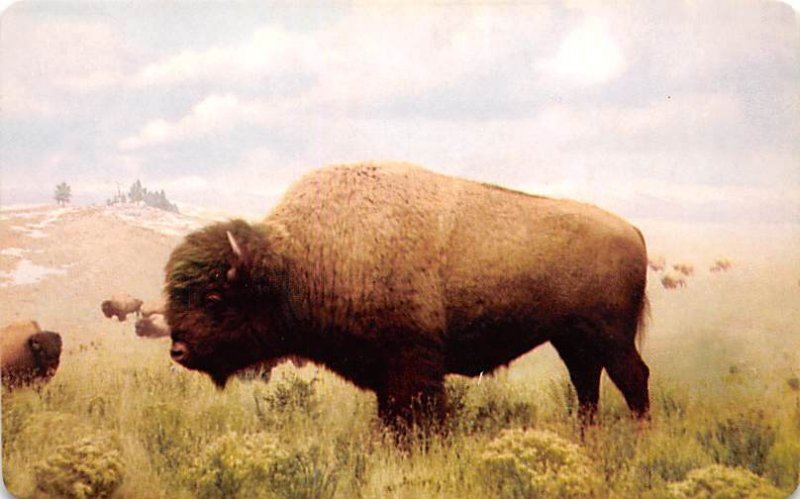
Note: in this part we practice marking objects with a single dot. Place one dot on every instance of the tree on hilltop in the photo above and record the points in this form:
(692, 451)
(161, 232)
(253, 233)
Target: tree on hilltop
(63, 193)
(137, 192)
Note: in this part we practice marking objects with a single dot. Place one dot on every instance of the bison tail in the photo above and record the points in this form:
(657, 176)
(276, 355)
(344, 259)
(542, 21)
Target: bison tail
(642, 317)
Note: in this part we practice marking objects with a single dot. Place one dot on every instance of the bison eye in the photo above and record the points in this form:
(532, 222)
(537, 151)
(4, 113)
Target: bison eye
(213, 297)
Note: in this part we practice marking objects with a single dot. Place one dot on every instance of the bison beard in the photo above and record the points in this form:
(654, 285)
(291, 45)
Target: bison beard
(394, 277)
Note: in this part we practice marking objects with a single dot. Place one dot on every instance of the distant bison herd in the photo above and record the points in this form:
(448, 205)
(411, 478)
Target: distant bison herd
(676, 275)
(393, 277)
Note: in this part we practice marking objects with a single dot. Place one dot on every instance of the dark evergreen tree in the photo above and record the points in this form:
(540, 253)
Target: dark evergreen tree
(137, 192)
(63, 193)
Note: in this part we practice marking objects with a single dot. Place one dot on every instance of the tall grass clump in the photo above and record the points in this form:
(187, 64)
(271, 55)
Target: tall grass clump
(488, 405)
(169, 436)
(17, 414)
(662, 458)
(613, 446)
(744, 439)
(563, 399)
(723, 482)
(92, 467)
(537, 463)
(783, 463)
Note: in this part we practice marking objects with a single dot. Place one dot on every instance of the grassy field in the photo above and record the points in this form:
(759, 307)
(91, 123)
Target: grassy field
(118, 419)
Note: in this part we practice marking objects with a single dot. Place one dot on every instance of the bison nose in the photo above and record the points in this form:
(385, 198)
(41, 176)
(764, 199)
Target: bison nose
(179, 351)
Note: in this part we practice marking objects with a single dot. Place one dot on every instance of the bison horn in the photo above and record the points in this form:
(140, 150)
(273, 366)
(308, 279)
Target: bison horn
(234, 245)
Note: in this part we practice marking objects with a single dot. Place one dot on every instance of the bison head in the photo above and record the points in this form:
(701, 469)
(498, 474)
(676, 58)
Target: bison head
(108, 309)
(46, 349)
(223, 288)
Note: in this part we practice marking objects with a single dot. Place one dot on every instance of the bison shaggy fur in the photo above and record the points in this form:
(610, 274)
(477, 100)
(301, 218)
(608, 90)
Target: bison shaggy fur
(121, 305)
(393, 276)
(28, 354)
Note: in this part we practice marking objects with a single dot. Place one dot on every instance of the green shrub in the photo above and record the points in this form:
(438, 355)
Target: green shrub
(722, 482)
(286, 396)
(743, 440)
(257, 466)
(533, 463)
(89, 468)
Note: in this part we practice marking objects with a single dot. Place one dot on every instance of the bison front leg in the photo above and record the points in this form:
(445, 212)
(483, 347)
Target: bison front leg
(584, 371)
(628, 371)
(412, 393)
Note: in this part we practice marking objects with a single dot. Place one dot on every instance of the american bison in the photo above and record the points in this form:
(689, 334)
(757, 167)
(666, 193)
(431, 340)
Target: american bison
(721, 265)
(672, 280)
(121, 305)
(657, 263)
(28, 354)
(393, 276)
(684, 268)
(152, 326)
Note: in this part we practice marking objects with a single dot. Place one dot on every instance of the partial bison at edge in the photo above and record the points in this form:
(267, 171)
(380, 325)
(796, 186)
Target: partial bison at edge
(393, 276)
(27, 354)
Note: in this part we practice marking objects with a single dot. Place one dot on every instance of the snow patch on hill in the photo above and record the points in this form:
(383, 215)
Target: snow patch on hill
(13, 252)
(27, 272)
(163, 222)
(44, 218)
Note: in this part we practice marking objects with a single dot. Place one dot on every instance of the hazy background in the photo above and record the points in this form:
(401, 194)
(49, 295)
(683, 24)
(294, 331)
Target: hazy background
(664, 110)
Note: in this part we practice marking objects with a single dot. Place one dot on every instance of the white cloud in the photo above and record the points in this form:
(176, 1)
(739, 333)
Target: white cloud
(19, 101)
(588, 55)
(214, 114)
(372, 54)
(269, 50)
(370, 57)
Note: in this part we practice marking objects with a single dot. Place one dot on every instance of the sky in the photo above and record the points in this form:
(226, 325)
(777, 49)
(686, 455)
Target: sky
(684, 111)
